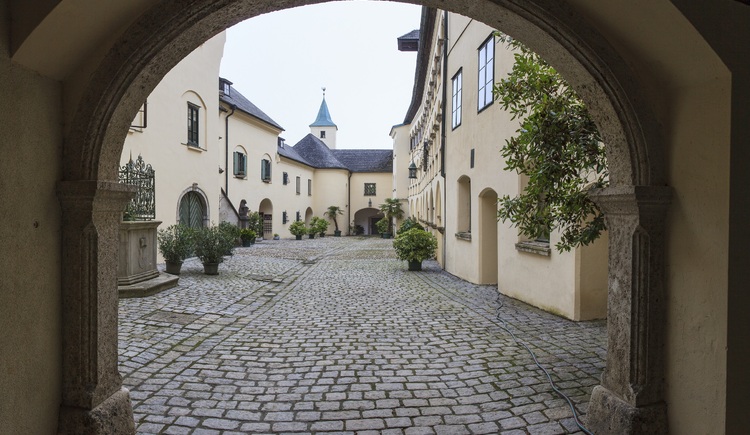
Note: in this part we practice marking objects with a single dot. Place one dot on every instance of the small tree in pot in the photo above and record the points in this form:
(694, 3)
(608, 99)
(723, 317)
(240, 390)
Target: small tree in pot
(391, 209)
(383, 226)
(331, 214)
(211, 244)
(320, 225)
(297, 228)
(415, 246)
(248, 236)
(175, 244)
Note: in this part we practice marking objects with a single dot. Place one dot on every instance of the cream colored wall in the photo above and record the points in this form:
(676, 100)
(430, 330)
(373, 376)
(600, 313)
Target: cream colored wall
(287, 198)
(30, 303)
(258, 141)
(330, 187)
(383, 189)
(548, 282)
(163, 143)
(401, 161)
(330, 138)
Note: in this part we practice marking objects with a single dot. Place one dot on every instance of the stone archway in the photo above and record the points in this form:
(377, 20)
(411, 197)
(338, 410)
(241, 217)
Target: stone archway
(631, 396)
(487, 232)
(266, 214)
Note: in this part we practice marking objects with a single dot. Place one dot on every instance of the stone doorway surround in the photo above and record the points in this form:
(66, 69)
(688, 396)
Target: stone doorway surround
(631, 396)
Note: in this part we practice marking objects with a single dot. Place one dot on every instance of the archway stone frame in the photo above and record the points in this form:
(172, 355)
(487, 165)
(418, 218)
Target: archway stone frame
(632, 393)
(204, 198)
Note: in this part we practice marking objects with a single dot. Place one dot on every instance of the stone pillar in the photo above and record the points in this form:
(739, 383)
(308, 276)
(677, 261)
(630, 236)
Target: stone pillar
(631, 397)
(93, 399)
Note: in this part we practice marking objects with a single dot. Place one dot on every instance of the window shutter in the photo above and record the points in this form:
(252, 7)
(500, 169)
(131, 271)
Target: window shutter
(236, 163)
(262, 169)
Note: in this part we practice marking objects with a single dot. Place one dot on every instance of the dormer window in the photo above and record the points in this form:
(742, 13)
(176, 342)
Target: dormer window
(225, 86)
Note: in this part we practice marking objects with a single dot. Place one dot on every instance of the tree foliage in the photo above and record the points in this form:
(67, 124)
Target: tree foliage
(558, 148)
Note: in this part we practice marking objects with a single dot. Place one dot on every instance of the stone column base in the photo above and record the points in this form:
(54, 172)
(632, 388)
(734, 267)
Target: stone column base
(113, 416)
(608, 414)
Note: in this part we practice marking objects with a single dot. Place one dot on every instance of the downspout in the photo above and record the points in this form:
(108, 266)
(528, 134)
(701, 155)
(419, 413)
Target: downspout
(349, 202)
(226, 149)
(442, 124)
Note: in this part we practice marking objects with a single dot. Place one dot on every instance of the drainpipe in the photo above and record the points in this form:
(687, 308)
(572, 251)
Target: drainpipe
(349, 201)
(226, 150)
(443, 123)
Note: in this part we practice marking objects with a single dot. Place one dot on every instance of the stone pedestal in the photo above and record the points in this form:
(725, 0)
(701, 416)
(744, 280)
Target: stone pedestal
(93, 400)
(137, 252)
(631, 397)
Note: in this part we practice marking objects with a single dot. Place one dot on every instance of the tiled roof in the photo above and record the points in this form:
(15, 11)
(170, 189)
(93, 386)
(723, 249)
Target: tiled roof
(366, 160)
(324, 116)
(317, 153)
(237, 99)
(312, 152)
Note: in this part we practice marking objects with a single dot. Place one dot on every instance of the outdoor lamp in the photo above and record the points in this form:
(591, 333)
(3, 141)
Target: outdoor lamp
(412, 170)
(369, 203)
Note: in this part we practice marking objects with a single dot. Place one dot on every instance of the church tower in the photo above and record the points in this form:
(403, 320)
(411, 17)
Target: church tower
(323, 128)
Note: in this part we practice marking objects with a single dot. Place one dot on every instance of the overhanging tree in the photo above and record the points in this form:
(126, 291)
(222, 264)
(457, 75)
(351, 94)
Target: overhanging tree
(558, 148)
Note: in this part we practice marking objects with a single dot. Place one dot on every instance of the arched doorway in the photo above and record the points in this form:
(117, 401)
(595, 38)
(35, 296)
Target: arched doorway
(308, 215)
(192, 210)
(488, 237)
(266, 214)
(365, 219)
(632, 389)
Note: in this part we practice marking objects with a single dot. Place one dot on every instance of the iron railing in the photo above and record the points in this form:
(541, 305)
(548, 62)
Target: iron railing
(143, 206)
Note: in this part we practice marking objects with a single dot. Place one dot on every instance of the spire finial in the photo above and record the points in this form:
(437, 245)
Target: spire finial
(324, 91)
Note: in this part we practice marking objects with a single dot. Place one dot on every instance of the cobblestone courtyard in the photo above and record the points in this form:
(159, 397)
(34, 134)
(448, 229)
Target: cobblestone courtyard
(333, 335)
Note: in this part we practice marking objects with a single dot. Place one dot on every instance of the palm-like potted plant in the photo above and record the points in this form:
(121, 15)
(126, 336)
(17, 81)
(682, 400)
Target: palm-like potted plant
(332, 212)
(248, 236)
(297, 228)
(211, 244)
(391, 209)
(415, 246)
(175, 244)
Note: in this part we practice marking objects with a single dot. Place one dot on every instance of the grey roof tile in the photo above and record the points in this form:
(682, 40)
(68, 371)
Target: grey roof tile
(236, 98)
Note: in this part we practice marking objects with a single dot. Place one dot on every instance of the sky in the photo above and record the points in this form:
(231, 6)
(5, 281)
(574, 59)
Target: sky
(280, 61)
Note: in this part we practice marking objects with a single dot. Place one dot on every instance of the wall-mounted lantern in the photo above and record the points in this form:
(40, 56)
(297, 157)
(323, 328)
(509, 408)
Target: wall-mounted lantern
(369, 203)
(412, 170)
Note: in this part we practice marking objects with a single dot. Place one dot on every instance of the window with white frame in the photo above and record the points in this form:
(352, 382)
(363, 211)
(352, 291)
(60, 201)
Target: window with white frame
(193, 114)
(309, 187)
(240, 164)
(299, 181)
(486, 72)
(456, 107)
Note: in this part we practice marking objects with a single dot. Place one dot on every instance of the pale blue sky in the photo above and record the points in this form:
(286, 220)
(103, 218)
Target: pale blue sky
(280, 61)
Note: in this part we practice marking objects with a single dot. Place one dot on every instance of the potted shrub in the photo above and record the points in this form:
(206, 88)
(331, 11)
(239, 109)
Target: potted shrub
(415, 246)
(391, 209)
(321, 226)
(175, 244)
(331, 213)
(311, 229)
(297, 228)
(232, 234)
(275, 236)
(248, 236)
(211, 244)
(408, 224)
(383, 228)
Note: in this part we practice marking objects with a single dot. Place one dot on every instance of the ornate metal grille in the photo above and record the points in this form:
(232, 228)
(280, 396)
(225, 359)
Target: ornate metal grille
(143, 206)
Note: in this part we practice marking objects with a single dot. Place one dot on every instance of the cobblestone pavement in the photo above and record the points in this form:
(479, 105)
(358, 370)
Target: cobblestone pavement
(333, 335)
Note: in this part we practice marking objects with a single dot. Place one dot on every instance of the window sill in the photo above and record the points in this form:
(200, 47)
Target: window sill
(464, 235)
(533, 247)
(194, 147)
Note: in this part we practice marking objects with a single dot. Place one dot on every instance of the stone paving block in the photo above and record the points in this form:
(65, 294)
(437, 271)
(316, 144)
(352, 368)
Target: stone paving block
(325, 349)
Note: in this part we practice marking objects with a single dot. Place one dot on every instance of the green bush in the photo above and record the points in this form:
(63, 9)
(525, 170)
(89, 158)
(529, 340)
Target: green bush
(383, 225)
(230, 231)
(408, 224)
(248, 234)
(415, 245)
(297, 228)
(320, 225)
(176, 242)
(211, 243)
